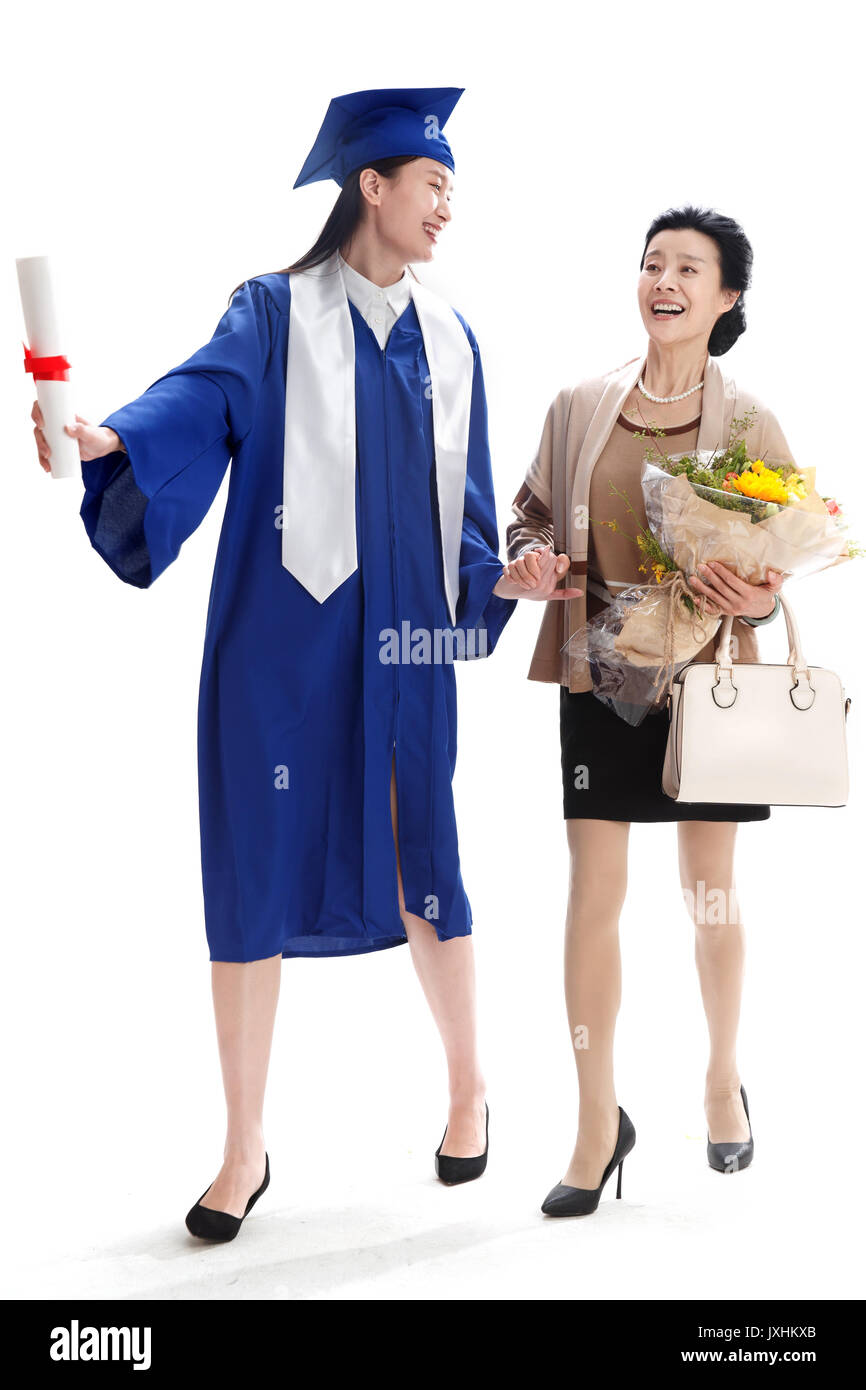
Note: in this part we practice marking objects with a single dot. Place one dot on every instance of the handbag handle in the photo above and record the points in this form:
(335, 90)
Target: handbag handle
(802, 691)
(795, 650)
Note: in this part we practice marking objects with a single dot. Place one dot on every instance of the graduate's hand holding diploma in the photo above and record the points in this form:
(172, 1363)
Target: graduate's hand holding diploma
(93, 440)
(48, 364)
(536, 575)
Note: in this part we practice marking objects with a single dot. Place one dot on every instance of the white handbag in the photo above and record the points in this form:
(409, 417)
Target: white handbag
(758, 734)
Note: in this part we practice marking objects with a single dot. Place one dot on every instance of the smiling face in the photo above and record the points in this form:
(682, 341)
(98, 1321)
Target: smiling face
(411, 208)
(679, 289)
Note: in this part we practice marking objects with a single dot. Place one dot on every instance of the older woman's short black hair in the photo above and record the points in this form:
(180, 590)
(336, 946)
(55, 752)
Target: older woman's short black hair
(735, 256)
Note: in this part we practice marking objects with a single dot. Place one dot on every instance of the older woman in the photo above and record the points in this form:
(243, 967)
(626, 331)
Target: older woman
(695, 268)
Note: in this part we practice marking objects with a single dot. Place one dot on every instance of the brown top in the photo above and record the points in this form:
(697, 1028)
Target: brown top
(613, 556)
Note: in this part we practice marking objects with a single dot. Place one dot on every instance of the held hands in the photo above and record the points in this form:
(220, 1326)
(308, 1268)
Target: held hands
(535, 575)
(726, 593)
(93, 440)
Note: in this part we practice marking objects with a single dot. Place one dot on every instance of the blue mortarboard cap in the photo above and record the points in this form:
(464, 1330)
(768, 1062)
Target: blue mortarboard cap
(361, 127)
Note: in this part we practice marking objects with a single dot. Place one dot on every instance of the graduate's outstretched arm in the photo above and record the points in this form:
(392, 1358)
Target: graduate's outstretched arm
(143, 500)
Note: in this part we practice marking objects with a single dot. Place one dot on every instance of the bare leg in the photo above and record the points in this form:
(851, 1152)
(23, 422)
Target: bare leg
(446, 970)
(706, 856)
(597, 885)
(245, 1003)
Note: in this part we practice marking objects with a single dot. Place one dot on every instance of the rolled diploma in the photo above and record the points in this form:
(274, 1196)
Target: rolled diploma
(43, 335)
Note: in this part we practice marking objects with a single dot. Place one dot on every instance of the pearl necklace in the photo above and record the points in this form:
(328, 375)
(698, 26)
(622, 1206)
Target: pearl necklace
(664, 400)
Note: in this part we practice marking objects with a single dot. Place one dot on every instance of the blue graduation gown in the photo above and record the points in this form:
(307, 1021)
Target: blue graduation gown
(298, 713)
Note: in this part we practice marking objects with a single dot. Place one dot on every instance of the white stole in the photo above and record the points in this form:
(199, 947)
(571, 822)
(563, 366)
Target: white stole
(319, 546)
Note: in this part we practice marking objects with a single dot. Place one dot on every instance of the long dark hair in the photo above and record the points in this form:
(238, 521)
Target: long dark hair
(735, 256)
(343, 218)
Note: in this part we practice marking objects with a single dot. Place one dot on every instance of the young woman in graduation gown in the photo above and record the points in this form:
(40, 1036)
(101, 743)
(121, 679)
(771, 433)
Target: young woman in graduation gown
(357, 559)
(695, 268)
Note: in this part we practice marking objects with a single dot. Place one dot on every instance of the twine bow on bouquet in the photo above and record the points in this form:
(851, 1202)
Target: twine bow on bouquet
(695, 631)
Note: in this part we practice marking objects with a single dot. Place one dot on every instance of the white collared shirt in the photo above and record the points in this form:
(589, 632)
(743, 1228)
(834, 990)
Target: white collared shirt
(381, 306)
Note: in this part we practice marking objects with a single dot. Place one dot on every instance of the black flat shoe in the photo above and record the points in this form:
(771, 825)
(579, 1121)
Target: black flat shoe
(732, 1155)
(580, 1201)
(453, 1170)
(208, 1224)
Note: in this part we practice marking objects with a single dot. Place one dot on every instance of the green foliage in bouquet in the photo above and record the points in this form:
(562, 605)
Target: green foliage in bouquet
(655, 558)
(712, 477)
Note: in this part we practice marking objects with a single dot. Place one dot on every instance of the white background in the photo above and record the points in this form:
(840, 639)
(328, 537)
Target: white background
(152, 151)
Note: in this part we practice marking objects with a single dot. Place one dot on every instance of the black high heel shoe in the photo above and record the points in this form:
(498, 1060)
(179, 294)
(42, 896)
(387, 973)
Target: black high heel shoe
(209, 1224)
(731, 1155)
(453, 1170)
(580, 1201)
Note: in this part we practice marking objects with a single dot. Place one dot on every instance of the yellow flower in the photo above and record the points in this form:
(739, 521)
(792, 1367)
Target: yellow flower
(765, 485)
(795, 485)
(659, 571)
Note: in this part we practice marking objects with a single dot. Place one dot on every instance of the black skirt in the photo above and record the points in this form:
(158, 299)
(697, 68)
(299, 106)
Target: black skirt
(612, 770)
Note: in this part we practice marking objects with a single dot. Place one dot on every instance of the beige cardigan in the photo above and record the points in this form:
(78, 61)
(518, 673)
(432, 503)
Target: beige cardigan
(578, 425)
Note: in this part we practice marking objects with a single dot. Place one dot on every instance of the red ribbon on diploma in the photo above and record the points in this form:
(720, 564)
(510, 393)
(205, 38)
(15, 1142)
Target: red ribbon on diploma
(45, 368)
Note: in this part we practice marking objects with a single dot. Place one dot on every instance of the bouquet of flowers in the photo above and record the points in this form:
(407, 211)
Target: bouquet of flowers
(751, 514)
